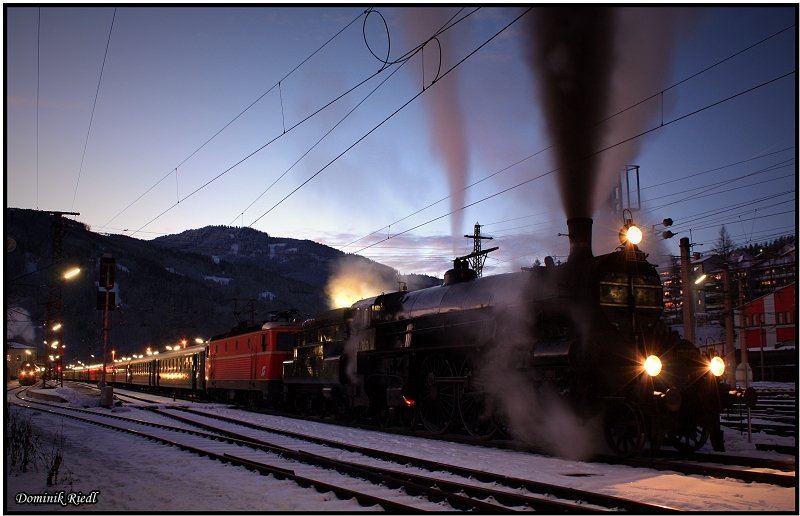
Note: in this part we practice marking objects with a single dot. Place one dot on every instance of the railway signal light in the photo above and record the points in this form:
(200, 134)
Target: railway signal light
(107, 268)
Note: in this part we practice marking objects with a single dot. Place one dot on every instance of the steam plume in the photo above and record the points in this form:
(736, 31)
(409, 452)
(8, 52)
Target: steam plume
(571, 53)
(353, 279)
(446, 120)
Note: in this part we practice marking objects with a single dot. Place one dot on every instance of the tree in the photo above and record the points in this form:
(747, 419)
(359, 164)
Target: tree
(724, 245)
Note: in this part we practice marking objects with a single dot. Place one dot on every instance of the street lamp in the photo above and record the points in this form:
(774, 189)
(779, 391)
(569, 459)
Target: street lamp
(71, 273)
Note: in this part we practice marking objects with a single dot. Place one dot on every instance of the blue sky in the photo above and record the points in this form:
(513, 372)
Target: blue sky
(141, 150)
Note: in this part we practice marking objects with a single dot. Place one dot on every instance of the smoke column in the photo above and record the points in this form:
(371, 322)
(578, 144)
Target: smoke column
(571, 53)
(445, 118)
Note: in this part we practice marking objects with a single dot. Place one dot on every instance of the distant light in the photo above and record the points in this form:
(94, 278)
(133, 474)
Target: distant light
(72, 273)
(56, 326)
(700, 279)
(198, 340)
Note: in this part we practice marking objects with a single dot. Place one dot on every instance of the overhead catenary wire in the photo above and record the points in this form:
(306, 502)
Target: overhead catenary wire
(609, 147)
(94, 105)
(343, 152)
(763, 40)
(249, 106)
(270, 142)
(402, 60)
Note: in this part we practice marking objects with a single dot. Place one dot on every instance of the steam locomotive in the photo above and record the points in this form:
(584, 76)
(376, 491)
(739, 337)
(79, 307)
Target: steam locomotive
(509, 352)
(519, 353)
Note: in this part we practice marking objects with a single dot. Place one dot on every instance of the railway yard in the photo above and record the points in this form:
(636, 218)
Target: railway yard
(153, 453)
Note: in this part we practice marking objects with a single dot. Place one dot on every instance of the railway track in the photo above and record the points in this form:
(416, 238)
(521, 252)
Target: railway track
(689, 467)
(370, 485)
(470, 491)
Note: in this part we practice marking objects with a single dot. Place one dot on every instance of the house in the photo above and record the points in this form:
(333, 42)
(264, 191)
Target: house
(770, 321)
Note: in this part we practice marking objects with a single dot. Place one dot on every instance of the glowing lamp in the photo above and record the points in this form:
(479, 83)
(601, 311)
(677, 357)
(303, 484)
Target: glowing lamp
(717, 366)
(634, 235)
(652, 365)
(630, 233)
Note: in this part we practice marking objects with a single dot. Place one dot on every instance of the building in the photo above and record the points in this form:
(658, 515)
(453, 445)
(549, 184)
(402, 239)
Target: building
(770, 321)
(764, 284)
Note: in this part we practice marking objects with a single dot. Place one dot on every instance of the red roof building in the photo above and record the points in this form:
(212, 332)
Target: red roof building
(770, 321)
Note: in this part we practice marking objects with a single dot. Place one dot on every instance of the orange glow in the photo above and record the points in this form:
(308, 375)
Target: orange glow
(347, 287)
(408, 402)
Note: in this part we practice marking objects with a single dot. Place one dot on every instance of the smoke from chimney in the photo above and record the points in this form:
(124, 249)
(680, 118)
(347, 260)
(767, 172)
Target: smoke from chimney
(446, 121)
(571, 52)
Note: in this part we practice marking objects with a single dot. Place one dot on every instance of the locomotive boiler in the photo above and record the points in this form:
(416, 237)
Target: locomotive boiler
(512, 351)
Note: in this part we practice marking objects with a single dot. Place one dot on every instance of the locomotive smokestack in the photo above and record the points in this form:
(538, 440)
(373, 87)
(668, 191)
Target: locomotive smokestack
(580, 238)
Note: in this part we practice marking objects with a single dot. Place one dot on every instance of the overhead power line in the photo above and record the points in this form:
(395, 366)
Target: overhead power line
(94, 105)
(253, 103)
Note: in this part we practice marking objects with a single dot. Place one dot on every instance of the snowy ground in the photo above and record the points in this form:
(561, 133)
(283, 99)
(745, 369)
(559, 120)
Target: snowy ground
(134, 475)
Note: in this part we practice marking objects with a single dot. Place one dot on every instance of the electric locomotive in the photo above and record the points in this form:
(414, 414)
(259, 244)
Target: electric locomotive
(508, 352)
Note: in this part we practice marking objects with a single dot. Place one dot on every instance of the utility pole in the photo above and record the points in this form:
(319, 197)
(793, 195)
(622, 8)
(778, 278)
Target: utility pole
(688, 301)
(477, 257)
(106, 282)
(54, 298)
(730, 349)
(743, 336)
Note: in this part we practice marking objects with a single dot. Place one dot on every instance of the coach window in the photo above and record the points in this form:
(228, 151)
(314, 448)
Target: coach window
(226, 346)
(263, 342)
(236, 344)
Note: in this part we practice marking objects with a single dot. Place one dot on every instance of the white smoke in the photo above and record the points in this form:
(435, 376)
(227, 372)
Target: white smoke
(19, 326)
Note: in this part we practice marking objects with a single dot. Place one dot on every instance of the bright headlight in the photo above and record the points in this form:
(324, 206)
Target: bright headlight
(652, 365)
(717, 366)
(634, 235)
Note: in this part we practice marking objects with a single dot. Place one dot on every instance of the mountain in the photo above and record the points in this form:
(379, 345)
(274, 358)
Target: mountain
(197, 283)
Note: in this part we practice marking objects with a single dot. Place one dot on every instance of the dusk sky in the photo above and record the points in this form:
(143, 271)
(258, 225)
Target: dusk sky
(154, 120)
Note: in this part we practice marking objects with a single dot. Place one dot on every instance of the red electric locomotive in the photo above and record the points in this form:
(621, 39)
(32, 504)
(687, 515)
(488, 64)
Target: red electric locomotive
(245, 364)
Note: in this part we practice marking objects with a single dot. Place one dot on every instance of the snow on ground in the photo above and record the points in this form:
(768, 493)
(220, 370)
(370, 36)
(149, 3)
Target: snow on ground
(135, 475)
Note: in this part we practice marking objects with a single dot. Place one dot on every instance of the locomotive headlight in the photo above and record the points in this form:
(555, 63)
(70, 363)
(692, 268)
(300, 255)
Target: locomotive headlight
(717, 366)
(652, 365)
(634, 235)
(630, 233)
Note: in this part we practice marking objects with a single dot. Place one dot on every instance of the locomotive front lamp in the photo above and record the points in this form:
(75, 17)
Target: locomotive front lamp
(717, 366)
(633, 234)
(652, 365)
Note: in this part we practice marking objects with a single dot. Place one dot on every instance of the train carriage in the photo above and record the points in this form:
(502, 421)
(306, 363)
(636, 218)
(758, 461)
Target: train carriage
(142, 372)
(181, 369)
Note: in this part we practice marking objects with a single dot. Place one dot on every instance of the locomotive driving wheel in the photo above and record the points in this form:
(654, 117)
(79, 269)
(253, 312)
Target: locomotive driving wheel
(475, 415)
(624, 428)
(438, 397)
(688, 440)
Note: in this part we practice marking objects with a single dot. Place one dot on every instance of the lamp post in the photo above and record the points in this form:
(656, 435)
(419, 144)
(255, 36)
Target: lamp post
(54, 324)
(688, 301)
